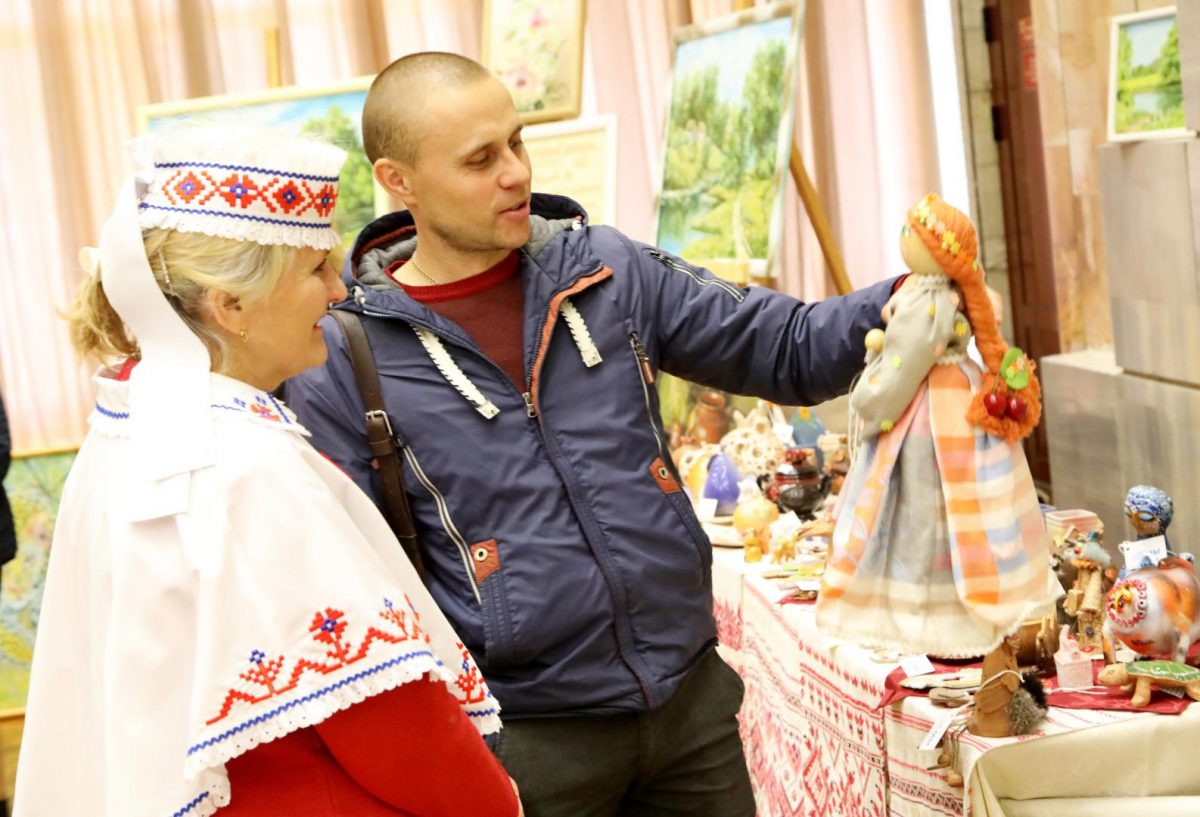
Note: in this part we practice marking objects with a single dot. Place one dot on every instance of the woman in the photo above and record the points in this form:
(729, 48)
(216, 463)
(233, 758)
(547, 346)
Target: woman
(228, 621)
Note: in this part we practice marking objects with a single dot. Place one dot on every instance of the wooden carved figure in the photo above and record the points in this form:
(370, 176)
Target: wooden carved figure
(1085, 599)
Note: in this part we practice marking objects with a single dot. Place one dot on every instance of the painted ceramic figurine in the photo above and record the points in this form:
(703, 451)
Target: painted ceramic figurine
(1085, 599)
(1141, 677)
(939, 545)
(1155, 611)
(1150, 511)
(752, 443)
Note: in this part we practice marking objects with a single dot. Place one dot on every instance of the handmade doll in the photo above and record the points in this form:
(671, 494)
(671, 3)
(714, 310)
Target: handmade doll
(938, 545)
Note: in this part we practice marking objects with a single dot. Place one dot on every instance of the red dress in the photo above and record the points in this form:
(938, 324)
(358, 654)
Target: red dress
(410, 752)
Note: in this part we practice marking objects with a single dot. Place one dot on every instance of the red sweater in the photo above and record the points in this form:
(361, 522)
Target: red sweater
(488, 307)
(410, 752)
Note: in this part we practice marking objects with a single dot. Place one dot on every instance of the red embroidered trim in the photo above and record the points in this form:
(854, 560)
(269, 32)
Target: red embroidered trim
(327, 628)
(240, 190)
(469, 681)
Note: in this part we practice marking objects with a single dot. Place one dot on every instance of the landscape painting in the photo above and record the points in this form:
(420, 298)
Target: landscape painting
(1146, 87)
(34, 485)
(728, 140)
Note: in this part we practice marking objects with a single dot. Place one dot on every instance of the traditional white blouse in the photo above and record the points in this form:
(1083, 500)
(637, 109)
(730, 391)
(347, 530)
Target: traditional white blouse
(168, 646)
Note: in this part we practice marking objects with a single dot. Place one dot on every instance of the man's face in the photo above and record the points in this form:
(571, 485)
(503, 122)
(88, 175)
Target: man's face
(471, 182)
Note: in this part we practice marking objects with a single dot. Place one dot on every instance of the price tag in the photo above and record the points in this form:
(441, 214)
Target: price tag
(706, 509)
(1144, 552)
(915, 665)
(785, 433)
(934, 735)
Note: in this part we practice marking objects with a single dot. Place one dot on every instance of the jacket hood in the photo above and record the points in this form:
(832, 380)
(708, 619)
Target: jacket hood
(394, 236)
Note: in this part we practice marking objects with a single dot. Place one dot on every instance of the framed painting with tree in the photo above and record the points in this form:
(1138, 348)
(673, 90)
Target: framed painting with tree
(1145, 90)
(728, 140)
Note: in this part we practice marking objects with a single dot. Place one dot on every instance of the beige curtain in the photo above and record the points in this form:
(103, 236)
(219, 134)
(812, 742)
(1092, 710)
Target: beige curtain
(77, 70)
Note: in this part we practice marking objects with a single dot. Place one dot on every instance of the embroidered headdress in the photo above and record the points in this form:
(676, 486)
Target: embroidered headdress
(281, 193)
(233, 183)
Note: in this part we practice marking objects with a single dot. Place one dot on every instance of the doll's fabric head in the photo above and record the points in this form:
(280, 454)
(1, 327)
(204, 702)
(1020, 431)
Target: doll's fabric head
(948, 235)
(1150, 509)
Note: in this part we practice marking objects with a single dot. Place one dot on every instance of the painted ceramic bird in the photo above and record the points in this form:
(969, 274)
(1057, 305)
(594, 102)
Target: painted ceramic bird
(1155, 611)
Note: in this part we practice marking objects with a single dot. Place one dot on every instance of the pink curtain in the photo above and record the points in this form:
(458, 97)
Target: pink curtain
(78, 70)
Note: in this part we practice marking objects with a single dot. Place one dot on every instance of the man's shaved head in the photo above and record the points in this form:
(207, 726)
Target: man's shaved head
(394, 109)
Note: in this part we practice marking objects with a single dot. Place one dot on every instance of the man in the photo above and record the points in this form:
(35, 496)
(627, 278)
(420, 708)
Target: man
(517, 349)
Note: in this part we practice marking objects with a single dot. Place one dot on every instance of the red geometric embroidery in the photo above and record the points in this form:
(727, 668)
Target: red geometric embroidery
(186, 188)
(265, 412)
(239, 192)
(328, 628)
(469, 681)
(288, 197)
(323, 200)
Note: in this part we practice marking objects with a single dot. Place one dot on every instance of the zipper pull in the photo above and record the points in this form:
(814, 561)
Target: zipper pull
(529, 407)
(643, 358)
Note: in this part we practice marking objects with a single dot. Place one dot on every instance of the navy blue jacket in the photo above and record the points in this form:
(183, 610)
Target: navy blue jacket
(554, 531)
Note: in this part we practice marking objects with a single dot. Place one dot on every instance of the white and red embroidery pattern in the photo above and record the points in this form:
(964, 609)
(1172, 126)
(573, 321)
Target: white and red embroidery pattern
(265, 678)
(470, 684)
(729, 624)
(814, 741)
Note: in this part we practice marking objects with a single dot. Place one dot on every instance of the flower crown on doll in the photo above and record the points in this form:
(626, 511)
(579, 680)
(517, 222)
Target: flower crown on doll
(1008, 402)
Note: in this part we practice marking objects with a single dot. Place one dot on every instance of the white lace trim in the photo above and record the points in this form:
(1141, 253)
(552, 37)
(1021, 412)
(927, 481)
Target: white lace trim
(581, 336)
(951, 358)
(207, 800)
(310, 712)
(455, 376)
(318, 236)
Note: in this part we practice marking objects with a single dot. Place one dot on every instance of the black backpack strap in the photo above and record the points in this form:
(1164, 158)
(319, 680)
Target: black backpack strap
(380, 437)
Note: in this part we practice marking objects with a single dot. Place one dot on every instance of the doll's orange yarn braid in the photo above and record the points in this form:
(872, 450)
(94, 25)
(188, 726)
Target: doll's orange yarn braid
(951, 240)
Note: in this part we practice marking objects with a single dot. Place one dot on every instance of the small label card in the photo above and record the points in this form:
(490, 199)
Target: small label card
(916, 665)
(706, 509)
(939, 727)
(1144, 552)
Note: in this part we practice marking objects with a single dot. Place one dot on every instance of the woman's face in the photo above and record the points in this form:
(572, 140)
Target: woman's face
(282, 336)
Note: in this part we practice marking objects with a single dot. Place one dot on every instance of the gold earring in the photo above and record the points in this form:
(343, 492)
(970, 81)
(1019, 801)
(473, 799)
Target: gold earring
(243, 335)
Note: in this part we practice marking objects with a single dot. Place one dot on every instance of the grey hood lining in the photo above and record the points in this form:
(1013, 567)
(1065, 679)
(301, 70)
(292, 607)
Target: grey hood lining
(372, 267)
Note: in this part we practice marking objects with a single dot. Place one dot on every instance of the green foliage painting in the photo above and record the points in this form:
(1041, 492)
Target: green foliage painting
(34, 485)
(728, 135)
(1149, 92)
(331, 114)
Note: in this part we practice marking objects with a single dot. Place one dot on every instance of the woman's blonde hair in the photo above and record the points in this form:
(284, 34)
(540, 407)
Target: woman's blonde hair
(185, 266)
